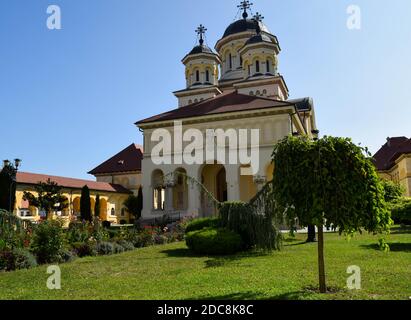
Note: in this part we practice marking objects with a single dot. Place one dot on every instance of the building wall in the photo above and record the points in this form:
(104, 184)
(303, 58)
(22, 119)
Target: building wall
(131, 181)
(400, 173)
(111, 205)
(272, 129)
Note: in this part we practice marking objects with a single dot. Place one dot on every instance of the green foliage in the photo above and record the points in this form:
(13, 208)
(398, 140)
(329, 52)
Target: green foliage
(13, 232)
(392, 190)
(199, 224)
(105, 248)
(16, 259)
(85, 204)
(97, 206)
(47, 241)
(214, 241)
(134, 204)
(84, 249)
(401, 211)
(329, 181)
(49, 197)
(383, 245)
(127, 245)
(256, 230)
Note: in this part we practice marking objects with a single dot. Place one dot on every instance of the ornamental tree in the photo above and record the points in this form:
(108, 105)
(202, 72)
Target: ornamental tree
(85, 204)
(49, 198)
(97, 206)
(327, 182)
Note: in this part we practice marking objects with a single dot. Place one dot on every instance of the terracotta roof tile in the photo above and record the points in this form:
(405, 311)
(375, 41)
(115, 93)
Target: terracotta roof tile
(385, 158)
(224, 103)
(71, 183)
(127, 160)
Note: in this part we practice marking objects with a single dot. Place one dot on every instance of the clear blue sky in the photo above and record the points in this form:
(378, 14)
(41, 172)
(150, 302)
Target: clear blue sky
(69, 98)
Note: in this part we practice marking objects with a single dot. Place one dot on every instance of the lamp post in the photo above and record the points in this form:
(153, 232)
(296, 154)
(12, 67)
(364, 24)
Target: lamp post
(13, 168)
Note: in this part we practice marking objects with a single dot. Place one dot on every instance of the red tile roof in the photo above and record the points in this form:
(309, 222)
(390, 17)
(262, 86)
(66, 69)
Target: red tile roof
(34, 179)
(127, 160)
(385, 158)
(224, 103)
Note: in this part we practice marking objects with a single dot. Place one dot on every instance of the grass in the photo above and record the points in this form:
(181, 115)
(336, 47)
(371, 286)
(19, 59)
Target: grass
(172, 272)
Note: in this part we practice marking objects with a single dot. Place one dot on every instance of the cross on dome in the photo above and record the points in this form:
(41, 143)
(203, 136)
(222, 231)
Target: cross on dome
(258, 17)
(245, 5)
(201, 30)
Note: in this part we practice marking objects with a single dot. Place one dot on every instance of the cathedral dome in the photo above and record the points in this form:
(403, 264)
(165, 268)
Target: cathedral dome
(258, 39)
(244, 25)
(201, 49)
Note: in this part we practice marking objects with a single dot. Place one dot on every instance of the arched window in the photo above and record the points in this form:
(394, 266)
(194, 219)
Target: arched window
(249, 70)
(197, 76)
(257, 66)
(230, 61)
(241, 61)
(268, 66)
(113, 212)
(207, 76)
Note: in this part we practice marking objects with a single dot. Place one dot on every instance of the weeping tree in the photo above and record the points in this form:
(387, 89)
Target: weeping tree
(97, 206)
(85, 204)
(328, 182)
(48, 197)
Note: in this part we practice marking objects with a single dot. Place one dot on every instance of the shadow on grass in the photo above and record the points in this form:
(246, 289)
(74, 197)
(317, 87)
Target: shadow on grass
(401, 230)
(214, 261)
(394, 247)
(303, 294)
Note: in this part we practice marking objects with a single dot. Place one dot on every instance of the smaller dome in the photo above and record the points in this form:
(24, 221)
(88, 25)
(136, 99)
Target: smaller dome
(258, 39)
(244, 25)
(201, 49)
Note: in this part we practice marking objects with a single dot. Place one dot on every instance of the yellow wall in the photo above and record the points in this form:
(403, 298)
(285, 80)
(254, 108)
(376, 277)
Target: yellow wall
(400, 173)
(108, 201)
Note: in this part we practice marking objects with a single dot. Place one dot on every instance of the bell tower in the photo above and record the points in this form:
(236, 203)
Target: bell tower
(201, 73)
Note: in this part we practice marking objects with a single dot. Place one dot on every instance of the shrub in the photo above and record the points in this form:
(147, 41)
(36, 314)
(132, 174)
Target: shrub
(200, 224)
(160, 239)
(256, 230)
(84, 249)
(118, 248)
(47, 241)
(78, 232)
(23, 259)
(392, 190)
(127, 245)
(143, 239)
(17, 259)
(105, 248)
(401, 211)
(106, 224)
(214, 241)
(67, 256)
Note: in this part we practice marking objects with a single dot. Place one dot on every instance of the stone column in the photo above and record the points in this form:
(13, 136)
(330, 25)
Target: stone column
(169, 185)
(233, 182)
(194, 201)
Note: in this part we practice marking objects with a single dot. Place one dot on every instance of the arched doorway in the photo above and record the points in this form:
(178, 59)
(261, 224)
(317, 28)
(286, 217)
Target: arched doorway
(76, 206)
(213, 177)
(92, 205)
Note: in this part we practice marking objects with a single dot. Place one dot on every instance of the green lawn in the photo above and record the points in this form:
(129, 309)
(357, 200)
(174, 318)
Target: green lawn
(172, 272)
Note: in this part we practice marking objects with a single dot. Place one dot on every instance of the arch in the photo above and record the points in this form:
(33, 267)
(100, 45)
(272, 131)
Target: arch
(76, 206)
(180, 190)
(92, 205)
(197, 72)
(251, 93)
(158, 189)
(213, 177)
(207, 75)
(258, 93)
(257, 66)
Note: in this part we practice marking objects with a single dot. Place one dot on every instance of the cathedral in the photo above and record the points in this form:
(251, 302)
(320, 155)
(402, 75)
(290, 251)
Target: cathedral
(235, 86)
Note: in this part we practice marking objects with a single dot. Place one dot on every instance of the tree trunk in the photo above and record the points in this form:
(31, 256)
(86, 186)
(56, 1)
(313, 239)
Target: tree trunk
(311, 234)
(321, 265)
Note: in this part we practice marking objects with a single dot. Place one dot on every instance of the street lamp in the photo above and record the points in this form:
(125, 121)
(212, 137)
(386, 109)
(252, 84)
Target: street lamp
(13, 168)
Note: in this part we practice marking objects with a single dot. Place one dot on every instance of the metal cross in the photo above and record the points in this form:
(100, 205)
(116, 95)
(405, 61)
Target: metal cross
(258, 17)
(246, 4)
(201, 30)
